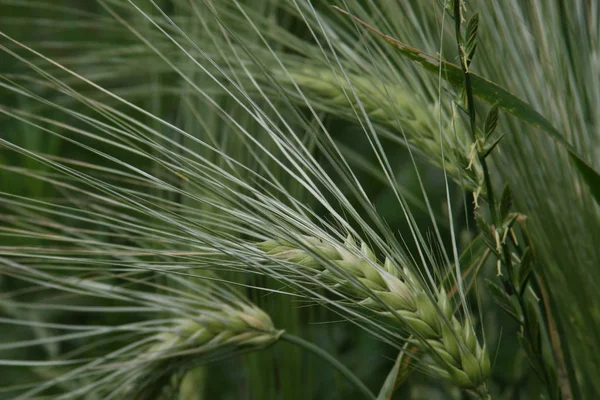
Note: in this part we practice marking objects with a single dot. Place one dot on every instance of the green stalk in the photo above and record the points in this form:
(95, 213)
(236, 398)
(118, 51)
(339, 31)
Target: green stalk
(471, 110)
(331, 360)
(504, 256)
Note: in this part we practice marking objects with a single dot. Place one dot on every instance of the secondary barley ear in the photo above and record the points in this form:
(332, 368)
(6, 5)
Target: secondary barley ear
(396, 108)
(452, 346)
(232, 328)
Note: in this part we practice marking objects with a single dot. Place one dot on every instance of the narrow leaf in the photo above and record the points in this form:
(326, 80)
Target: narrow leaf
(525, 268)
(491, 121)
(489, 148)
(532, 356)
(530, 310)
(505, 202)
(486, 231)
(589, 175)
(503, 299)
(471, 37)
(387, 390)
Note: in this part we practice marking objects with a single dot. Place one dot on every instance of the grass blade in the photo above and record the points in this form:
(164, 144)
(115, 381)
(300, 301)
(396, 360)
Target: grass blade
(589, 175)
(387, 390)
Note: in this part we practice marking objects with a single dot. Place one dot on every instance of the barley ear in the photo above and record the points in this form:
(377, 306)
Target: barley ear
(233, 328)
(394, 107)
(452, 346)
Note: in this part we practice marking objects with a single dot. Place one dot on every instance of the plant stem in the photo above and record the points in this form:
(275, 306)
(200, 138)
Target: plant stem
(471, 111)
(331, 360)
(528, 331)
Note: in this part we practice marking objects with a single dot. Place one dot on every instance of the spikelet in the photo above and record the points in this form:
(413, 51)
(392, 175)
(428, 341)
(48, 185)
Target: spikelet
(453, 346)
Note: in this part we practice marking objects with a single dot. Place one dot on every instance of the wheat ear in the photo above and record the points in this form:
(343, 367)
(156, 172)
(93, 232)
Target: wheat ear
(453, 346)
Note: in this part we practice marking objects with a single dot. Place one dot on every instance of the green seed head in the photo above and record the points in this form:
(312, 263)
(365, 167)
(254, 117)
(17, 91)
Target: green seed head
(426, 315)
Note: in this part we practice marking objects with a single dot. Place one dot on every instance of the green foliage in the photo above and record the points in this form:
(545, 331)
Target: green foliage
(181, 183)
